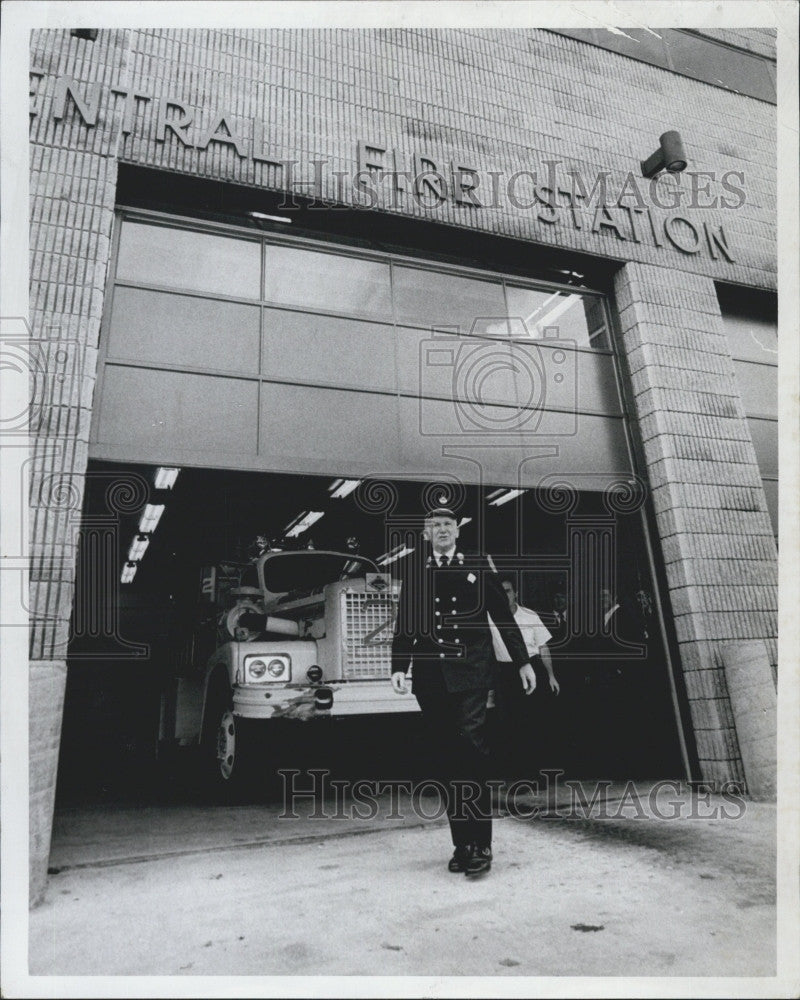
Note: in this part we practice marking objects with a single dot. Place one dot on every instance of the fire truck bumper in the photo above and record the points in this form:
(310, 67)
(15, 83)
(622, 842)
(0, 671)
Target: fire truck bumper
(320, 700)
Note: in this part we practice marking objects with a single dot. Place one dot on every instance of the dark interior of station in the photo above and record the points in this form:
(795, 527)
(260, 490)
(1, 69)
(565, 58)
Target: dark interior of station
(129, 639)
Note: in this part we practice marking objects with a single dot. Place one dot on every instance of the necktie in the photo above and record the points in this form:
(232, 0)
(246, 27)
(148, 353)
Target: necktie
(444, 561)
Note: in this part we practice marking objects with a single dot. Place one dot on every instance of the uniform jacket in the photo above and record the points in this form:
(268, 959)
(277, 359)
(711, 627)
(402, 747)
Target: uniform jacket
(442, 622)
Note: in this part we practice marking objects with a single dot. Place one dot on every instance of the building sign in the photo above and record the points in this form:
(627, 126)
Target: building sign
(387, 178)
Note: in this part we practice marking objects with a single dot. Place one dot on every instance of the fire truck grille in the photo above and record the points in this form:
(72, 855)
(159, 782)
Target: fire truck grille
(367, 622)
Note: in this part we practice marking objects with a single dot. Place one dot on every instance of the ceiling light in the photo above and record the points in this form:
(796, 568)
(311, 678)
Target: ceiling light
(303, 523)
(165, 477)
(262, 217)
(341, 488)
(138, 548)
(391, 557)
(128, 572)
(510, 495)
(150, 518)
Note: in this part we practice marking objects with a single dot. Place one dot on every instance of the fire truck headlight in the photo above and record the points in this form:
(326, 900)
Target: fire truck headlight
(257, 669)
(267, 669)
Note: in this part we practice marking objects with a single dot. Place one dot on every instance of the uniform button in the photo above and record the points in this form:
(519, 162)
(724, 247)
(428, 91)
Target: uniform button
(437, 600)
(441, 640)
(453, 599)
(438, 612)
(441, 656)
(455, 626)
(458, 640)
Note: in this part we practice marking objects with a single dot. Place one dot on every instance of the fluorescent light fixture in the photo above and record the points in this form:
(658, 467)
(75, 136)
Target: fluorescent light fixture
(268, 218)
(394, 555)
(463, 521)
(165, 477)
(150, 518)
(138, 548)
(496, 493)
(510, 495)
(303, 522)
(128, 572)
(341, 488)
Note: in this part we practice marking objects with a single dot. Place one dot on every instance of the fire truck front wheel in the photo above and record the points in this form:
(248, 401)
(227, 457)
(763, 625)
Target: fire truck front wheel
(229, 749)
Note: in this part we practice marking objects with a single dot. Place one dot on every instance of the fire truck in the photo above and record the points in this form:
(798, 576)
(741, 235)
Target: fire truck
(298, 635)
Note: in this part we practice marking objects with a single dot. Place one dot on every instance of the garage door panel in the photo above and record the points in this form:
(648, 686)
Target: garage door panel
(183, 330)
(447, 366)
(185, 258)
(566, 444)
(342, 427)
(153, 410)
(328, 350)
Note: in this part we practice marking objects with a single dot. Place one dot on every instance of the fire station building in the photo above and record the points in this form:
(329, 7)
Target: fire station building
(537, 265)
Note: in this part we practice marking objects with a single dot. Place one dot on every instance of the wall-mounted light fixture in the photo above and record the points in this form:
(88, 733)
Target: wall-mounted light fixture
(670, 156)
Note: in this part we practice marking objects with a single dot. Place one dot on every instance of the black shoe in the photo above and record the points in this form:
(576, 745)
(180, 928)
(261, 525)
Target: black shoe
(462, 856)
(480, 862)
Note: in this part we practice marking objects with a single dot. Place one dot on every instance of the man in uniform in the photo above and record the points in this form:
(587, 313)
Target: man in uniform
(442, 629)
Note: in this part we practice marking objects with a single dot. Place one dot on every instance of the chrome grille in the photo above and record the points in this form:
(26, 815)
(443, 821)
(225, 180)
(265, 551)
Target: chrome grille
(367, 623)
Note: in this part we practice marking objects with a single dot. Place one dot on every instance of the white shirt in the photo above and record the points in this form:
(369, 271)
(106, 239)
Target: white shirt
(533, 632)
(438, 556)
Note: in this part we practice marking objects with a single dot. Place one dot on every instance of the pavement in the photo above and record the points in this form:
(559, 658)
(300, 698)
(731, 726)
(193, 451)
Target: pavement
(185, 890)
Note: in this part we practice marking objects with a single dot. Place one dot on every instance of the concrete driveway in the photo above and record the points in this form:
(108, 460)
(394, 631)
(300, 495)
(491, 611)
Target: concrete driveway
(187, 891)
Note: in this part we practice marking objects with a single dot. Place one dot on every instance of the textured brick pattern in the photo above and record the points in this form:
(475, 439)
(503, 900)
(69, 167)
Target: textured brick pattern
(502, 100)
(72, 191)
(494, 100)
(712, 517)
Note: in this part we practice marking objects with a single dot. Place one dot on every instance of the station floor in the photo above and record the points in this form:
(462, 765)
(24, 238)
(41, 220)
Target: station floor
(655, 884)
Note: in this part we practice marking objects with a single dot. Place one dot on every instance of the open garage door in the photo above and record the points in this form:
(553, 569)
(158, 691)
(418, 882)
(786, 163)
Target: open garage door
(145, 622)
(232, 349)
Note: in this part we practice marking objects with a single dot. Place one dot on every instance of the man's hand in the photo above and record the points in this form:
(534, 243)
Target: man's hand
(555, 687)
(399, 685)
(528, 678)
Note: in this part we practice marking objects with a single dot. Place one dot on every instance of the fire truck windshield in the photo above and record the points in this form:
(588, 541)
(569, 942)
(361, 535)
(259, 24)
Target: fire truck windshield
(310, 570)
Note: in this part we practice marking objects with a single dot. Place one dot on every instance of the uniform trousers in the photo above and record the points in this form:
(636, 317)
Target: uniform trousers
(457, 731)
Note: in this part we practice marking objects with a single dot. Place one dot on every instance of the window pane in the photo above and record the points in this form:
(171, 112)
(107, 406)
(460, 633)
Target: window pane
(765, 442)
(771, 492)
(180, 258)
(758, 387)
(752, 338)
(425, 298)
(327, 281)
(720, 65)
(578, 319)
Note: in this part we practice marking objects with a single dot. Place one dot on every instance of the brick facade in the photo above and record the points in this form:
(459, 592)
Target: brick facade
(493, 100)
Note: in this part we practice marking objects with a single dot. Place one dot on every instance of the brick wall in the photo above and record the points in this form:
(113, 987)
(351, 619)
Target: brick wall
(494, 100)
(72, 191)
(715, 531)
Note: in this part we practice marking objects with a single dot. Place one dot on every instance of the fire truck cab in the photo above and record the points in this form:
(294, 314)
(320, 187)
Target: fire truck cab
(299, 636)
